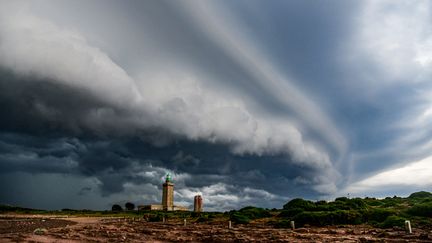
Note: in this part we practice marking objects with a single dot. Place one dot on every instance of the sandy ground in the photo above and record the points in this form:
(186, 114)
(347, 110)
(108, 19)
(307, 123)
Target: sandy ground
(82, 229)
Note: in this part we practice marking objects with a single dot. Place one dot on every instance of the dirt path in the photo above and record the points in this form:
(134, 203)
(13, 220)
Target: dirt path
(83, 229)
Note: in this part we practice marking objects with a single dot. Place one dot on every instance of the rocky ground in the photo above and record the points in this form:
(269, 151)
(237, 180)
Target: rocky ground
(83, 229)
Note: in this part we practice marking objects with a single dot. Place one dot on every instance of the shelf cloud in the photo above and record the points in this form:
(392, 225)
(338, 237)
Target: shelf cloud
(240, 101)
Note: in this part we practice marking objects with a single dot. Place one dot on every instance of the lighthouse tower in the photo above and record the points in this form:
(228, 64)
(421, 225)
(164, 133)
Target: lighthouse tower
(168, 194)
(198, 204)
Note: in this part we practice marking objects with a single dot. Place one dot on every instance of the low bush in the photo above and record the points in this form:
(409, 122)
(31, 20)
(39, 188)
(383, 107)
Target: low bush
(155, 218)
(322, 206)
(299, 203)
(254, 213)
(421, 194)
(282, 224)
(342, 199)
(320, 203)
(356, 203)
(239, 218)
(378, 214)
(289, 213)
(203, 218)
(422, 210)
(116, 208)
(392, 221)
(389, 203)
(246, 214)
(343, 203)
(328, 218)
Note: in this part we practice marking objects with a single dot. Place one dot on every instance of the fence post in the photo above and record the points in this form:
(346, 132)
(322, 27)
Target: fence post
(408, 227)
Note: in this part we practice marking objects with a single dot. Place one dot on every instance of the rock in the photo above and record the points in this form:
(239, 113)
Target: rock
(365, 239)
(330, 231)
(410, 236)
(302, 230)
(397, 228)
(424, 236)
(383, 234)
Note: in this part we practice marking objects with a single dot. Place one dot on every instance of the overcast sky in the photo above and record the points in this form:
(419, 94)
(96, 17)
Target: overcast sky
(245, 102)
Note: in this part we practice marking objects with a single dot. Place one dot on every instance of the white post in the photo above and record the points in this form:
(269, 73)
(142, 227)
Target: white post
(229, 224)
(184, 222)
(292, 225)
(408, 227)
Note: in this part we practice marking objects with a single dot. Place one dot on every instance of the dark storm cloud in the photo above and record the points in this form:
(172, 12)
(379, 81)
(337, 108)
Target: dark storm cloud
(239, 100)
(115, 163)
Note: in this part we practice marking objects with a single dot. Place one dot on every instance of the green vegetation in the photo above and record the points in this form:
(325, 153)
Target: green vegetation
(153, 216)
(392, 221)
(322, 218)
(246, 214)
(385, 213)
(422, 210)
(129, 206)
(421, 194)
(116, 208)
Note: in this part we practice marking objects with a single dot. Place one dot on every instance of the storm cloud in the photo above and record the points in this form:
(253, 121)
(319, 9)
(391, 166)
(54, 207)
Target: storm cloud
(239, 101)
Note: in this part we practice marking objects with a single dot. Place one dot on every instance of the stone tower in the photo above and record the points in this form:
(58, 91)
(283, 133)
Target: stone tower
(168, 194)
(198, 204)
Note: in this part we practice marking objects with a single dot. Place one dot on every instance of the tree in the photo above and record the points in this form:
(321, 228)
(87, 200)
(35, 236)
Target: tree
(129, 206)
(116, 208)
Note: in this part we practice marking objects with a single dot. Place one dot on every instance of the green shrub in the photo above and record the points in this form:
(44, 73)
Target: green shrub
(321, 202)
(328, 218)
(342, 199)
(378, 214)
(254, 213)
(68, 210)
(326, 207)
(239, 218)
(426, 200)
(246, 214)
(299, 203)
(321, 206)
(343, 203)
(392, 221)
(116, 208)
(203, 218)
(155, 218)
(356, 203)
(421, 194)
(289, 213)
(283, 224)
(422, 210)
(388, 202)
